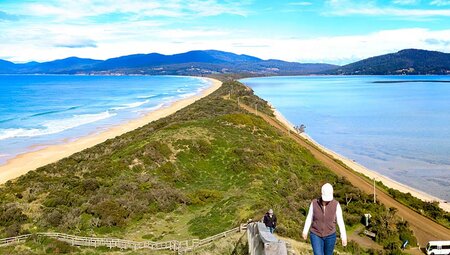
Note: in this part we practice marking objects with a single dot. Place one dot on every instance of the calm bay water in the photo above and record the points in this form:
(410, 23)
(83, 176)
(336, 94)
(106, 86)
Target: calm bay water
(398, 126)
(38, 110)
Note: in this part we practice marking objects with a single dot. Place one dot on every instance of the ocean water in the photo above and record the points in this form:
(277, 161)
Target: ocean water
(398, 126)
(40, 110)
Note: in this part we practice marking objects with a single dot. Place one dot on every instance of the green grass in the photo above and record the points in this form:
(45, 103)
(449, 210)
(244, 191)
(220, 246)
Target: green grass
(203, 170)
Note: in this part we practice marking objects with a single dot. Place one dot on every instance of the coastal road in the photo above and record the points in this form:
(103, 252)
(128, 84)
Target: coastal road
(424, 229)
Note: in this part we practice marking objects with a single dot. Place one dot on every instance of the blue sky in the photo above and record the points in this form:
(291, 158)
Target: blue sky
(332, 31)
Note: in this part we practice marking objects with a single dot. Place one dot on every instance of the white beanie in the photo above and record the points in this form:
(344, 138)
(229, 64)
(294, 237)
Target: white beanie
(327, 192)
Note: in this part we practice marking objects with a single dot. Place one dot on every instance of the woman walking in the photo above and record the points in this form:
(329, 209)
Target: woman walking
(322, 216)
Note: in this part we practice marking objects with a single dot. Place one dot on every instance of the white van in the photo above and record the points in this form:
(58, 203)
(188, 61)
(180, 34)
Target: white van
(438, 247)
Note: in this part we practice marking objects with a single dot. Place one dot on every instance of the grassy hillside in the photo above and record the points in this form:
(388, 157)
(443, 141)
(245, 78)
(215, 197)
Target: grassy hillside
(203, 170)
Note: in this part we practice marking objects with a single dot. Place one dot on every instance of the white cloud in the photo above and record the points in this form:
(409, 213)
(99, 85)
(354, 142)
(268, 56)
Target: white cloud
(175, 34)
(74, 42)
(7, 17)
(341, 3)
(101, 41)
(440, 2)
(334, 49)
(69, 10)
(107, 28)
(375, 11)
(338, 49)
(26, 41)
(370, 8)
(406, 2)
(300, 3)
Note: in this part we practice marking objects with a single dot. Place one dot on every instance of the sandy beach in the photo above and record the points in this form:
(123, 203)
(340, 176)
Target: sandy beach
(29, 161)
(365, 171)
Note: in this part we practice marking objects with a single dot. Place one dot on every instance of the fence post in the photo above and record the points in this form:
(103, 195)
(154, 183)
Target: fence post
(250, 238)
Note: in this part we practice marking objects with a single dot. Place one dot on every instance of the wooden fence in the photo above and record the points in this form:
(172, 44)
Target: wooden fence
(174, 245)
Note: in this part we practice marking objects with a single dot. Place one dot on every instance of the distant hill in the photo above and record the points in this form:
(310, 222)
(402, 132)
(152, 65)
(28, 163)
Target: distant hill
(66, 65)
(6, 65)
(197, 62)
(409, 61)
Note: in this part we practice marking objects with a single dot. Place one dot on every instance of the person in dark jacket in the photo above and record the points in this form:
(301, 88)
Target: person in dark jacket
(270, 220)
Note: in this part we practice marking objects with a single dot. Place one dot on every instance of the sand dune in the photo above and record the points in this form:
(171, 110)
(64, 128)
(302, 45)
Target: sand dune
(29, 161)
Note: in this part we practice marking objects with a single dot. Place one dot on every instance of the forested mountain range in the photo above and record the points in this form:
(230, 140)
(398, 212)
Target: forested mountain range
(409, 61)
(207, 62)
(189, 63)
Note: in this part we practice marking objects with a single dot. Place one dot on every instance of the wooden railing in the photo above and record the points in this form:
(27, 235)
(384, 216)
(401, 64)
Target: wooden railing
(14, 240)
(174, 245)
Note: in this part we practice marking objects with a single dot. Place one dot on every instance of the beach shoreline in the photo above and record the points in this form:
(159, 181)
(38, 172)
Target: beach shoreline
(364, 170)
(23, 163)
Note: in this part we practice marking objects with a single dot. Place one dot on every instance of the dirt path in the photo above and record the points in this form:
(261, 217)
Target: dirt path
(364, 241)
(424, 228)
